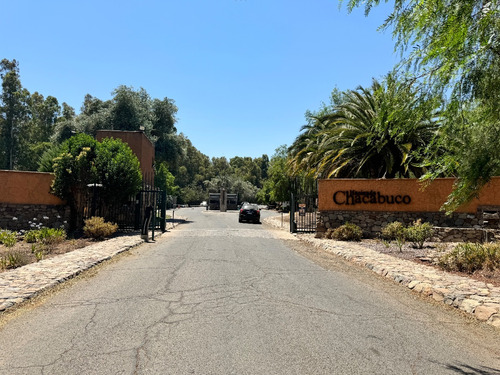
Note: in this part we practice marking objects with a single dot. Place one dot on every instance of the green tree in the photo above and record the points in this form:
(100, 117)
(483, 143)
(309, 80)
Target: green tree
(453, 47)
(381, 131)
(82, 161)
(130, 109)
(118, 171)
(73, 168)
(36, 130)
(247, 168)
(165, 180)
(13, 112)
(450, 42)
(277, 186)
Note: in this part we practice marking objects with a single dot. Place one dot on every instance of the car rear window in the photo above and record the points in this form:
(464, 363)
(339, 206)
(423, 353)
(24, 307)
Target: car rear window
(250, 207)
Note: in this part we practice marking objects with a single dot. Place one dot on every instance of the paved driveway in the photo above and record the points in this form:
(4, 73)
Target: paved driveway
(218, 297)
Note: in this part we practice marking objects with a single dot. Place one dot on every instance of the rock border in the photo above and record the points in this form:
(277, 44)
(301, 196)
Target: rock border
(479, 299)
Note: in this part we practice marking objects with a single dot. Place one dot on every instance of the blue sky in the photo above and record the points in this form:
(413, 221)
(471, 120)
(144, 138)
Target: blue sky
(242, 72)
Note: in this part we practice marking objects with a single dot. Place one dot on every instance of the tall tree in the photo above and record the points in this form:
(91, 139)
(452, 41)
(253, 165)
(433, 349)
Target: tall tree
(380, 131)
(277, 186)
(450, 42)
(13, 111)
(453, 46)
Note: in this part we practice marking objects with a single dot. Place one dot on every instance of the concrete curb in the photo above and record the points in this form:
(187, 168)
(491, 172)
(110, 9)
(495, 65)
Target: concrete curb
(476, 298)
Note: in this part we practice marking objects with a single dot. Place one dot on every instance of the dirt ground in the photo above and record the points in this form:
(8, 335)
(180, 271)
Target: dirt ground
(25, 254)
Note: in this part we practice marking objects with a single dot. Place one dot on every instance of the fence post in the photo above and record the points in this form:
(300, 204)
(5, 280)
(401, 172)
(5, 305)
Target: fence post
(163, 209)
(146, 222)
(293, 226)
(138, 205)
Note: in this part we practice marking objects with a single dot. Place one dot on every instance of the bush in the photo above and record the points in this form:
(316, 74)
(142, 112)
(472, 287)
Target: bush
(46, 236)
(418, 233)
(8, 238)
(31, 236)
(347, 232)
(471, 257)
(393, 231)
(13, 260)
(98, 229)
(492, 256)
(328, 233)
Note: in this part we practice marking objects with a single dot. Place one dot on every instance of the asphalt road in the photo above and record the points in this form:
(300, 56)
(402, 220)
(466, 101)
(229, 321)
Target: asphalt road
(215, 296)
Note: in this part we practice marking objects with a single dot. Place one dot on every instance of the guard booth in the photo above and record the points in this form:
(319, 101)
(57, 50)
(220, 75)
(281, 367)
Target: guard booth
(214, 201)
(232, 201)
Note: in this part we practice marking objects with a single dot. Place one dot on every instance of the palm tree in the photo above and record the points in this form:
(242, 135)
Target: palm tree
(377, 132)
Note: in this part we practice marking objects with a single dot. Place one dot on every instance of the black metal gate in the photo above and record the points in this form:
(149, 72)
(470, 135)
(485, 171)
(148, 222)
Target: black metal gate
(128, 215)
(303, 206)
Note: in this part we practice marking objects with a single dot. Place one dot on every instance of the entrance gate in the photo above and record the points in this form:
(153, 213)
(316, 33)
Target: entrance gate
(128, 215)
(303, 206)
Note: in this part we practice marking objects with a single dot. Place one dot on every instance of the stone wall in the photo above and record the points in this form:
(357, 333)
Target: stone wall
(458, 227)
(29, 216)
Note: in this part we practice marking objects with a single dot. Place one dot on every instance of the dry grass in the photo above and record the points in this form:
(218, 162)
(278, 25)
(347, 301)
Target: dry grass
(429, 256)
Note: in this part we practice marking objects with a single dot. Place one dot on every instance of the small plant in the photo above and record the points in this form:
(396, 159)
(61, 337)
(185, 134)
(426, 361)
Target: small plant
(397, 232)
(98, 229)
(39, 250)
(393, 231)
(8, 238)
(347, 232)
(328, 233)
(47, 236)
(492, 252)
(386, 243)
(31, 236)
(13, 259)
(39, 255)
(52, 236)
(400, 241)
(418, 233)
(470, 257)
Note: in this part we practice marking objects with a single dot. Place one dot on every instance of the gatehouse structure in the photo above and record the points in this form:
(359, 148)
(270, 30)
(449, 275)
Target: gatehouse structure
(372, 204)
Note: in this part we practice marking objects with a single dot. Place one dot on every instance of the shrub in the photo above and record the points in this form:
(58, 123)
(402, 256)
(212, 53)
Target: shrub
(470, 257)
(47, 236)
(347, 232)
(52, 236)
(31, 236)
(98, 229)
(13, 259)
(8, 238)
(394, 231)
(418, 233)
(328, 233)
(492, 251)
(38, 250)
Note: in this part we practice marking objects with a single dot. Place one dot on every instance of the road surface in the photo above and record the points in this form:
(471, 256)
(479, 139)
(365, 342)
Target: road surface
(215, 296)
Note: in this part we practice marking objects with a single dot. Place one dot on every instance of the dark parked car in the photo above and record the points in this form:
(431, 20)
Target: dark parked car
(249, 212)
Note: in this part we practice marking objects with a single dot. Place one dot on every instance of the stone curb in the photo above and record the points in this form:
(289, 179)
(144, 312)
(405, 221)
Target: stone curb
(476, 298)
(23, 283)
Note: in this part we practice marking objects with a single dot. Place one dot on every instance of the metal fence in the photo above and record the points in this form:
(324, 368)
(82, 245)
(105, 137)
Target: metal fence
(303, 206)
(130, 214)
